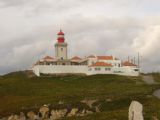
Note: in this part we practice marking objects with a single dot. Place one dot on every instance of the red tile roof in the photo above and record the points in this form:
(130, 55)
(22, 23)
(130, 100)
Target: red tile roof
(91, 56)
(48, 58)
(101, 64)
(127, 63)
(76, 58)
(105, 57)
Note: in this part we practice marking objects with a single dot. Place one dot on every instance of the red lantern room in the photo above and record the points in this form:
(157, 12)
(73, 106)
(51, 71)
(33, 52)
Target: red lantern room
(60, 37)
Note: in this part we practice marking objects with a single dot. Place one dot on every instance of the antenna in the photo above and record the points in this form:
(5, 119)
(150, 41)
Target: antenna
(138, 60)
(134, 60)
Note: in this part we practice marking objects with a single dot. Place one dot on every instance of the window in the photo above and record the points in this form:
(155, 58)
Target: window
(97, 69)
(90, 69)
(61, 49)
(61, 58)
(136, 70)
(107, 69)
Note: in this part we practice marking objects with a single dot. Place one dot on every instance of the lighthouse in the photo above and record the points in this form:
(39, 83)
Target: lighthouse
(61, 47)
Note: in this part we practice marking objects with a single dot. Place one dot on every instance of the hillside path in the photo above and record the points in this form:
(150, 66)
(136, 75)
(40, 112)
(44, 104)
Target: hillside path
(148, 79)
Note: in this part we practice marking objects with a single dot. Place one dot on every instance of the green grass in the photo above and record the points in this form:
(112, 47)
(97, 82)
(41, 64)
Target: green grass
(19, 92)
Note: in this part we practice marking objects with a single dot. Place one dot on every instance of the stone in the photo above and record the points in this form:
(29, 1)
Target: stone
(31, 115)
(60, 102)
(57, 114)
(108, 100)
(82, 113)
(73, 112)
(97, 109)
(22, 116)
(89, 102)
(44, 110)
(4, 118)
(154, 118)
(13, 117)
(135, 111)
(89, 112)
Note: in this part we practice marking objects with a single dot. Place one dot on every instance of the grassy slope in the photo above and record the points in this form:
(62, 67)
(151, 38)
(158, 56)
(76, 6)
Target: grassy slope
(18, 92)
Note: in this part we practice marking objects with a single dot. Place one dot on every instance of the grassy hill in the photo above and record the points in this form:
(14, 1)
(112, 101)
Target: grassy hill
(18, 92)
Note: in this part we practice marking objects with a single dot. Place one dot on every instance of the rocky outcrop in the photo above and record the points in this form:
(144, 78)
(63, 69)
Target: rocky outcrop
(73, 112)
(44, 111)
(31, 115)
(89, 102)
(57, 114)
(135, 111)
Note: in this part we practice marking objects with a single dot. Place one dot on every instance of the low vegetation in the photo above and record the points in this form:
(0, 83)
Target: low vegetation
(19, 92)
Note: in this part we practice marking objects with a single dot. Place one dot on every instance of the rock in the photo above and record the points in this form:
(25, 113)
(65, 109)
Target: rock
(57, 114)
(81, 113)
(135, 111)
(108, 100)
(60, 102)
(89, 112)
(73, 112)
(31, 115)
(44, 110)
(89, 102)
(4, 118)
(22, 116)
(13, 117)
(97, 109)
(154, 118)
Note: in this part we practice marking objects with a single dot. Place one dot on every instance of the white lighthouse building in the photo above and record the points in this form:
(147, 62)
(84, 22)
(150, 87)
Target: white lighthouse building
(93, 64)
(61, 47)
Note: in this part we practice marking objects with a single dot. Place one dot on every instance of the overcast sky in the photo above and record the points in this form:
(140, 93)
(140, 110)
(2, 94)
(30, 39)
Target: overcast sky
(121, 28)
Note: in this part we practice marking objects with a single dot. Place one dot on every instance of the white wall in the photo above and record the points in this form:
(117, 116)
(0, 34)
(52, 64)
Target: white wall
(57, 69)
(91, 61)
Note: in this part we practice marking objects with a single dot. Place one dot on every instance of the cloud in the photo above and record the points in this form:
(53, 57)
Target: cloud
(147, 43)
(118, 27)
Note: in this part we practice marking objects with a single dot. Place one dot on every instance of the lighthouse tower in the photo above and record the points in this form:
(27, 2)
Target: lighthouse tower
(61, 47)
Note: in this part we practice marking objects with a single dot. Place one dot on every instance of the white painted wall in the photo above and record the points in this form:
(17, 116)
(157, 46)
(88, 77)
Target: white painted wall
(57, 69)
(91, 61)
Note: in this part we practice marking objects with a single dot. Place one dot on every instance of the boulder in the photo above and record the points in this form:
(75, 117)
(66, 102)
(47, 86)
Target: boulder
(57, 114)
(44, 110)
(135, 111)
(4, 118)
(22, 116)
(154, 118)
(82, 113)
(73, 112)
(60, 102)
(97, 109)
(89, 102)
(13, 117)
(89, 112)
(31, 115)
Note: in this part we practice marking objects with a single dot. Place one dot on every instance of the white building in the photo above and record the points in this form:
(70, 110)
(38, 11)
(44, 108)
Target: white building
(90, 65)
